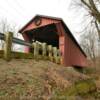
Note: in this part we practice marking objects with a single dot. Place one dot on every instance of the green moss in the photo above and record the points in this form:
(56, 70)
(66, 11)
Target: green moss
(63, 95)
(71, 91)
(85, 86)
(2, 93)
(97, 95)
(20, 55)
(89, 70)
(80, 88)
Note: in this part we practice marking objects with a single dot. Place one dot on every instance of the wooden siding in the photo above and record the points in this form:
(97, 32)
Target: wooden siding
(44, 22)
(73, 56)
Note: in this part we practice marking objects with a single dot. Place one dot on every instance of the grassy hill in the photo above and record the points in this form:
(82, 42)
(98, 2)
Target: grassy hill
(43, 80)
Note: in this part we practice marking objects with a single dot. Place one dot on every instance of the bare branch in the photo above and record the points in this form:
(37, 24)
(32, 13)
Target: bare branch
(86, 4)
(98, 30)
(93, 10)
(5, 27)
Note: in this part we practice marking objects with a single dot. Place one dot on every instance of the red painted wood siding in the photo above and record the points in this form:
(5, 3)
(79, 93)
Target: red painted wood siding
(44, 22)
(61, 47)
(73, 55)
(61, 40)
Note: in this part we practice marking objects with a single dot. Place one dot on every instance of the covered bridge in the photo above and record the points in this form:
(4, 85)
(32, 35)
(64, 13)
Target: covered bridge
(54, 32)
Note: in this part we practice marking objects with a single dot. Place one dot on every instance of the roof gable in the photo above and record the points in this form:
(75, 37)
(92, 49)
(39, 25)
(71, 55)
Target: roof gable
(45, 20)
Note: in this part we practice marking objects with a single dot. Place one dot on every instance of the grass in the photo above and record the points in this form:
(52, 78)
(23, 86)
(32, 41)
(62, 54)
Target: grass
(28, 79)
(22, 78)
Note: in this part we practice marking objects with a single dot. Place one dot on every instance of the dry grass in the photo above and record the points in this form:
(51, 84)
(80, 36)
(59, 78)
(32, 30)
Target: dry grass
(23, 78)
(28, 79)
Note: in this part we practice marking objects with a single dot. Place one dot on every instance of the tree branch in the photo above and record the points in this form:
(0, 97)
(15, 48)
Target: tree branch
(93, 9)
(98, 30)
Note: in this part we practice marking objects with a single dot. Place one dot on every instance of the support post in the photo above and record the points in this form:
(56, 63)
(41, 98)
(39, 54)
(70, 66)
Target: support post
(35, 46)
(44, 50)
(50, 52)
(8, 45)
(55, 52)
(58, 57)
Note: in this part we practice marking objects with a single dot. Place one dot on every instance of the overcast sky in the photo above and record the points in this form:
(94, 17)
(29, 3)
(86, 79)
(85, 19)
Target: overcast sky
(21, 11)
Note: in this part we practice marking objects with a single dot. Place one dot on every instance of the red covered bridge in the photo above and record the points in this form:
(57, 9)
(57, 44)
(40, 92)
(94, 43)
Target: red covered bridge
(53, 31)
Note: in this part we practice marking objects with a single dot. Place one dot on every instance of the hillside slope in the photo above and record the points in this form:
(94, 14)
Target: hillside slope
(40, 80)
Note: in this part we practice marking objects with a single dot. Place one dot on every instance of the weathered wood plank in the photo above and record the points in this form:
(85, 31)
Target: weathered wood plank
(8, 45)
(1, 53)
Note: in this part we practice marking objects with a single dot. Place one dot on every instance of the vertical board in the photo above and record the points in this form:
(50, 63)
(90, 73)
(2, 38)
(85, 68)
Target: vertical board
(67, 52)
(73, 55)
(61, 34)
(61, 47)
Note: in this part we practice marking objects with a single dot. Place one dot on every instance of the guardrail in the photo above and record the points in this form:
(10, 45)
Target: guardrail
(16, 40)
(38, 49)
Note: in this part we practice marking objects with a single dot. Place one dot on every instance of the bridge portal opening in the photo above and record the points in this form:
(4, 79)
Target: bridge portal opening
(47, 34)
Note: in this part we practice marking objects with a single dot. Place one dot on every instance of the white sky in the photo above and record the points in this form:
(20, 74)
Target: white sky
(21, 11)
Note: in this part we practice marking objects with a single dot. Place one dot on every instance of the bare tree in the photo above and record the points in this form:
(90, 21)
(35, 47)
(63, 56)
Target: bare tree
(5, 26)
(92, 8)
(89, 44)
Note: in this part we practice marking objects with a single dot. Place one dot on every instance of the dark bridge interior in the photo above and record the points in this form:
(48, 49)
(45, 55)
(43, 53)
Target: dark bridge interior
(46, 34)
